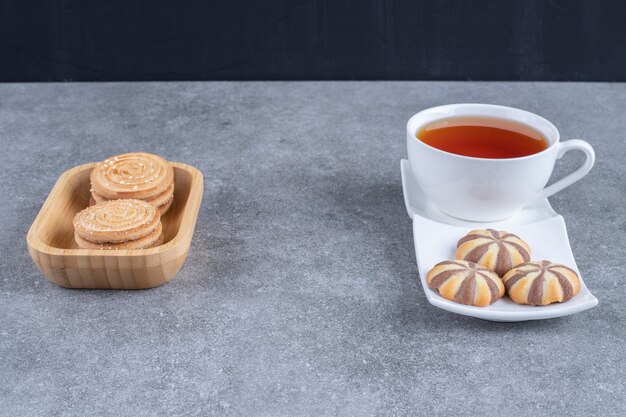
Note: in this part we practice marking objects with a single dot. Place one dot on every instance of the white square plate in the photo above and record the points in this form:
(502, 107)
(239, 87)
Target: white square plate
(435, 236)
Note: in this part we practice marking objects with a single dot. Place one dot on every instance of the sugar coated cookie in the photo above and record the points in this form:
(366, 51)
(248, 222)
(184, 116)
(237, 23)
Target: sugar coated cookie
(135, 175)
(117, 221)
(153, 239)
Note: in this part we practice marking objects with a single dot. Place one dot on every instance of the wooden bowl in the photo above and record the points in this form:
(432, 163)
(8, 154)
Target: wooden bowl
(52, 247)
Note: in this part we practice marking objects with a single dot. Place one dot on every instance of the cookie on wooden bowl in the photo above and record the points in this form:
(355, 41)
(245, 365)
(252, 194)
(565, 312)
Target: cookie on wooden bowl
(135, 175)
(541, 283)
(498, 251)
(118, 225)
(465, 283)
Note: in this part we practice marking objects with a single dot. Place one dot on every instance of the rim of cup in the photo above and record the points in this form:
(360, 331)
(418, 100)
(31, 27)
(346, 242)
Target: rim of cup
(545, 128)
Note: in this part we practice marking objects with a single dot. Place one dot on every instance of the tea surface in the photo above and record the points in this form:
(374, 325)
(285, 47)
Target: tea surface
(483, 137)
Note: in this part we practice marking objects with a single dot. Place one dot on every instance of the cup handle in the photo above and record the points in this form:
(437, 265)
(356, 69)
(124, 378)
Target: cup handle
(573, 144)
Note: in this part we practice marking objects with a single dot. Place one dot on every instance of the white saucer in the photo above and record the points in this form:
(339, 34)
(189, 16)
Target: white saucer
(435, 235)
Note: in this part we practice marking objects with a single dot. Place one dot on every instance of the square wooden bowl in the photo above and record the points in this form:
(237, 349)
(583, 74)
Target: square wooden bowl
(52, 247)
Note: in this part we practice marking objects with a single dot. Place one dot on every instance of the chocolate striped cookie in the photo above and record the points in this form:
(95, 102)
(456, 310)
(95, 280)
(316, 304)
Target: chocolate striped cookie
(465, 282)
(541, 283)
(498, 251)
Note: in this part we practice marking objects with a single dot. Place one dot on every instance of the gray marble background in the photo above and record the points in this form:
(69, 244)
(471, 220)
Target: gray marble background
(300, 292)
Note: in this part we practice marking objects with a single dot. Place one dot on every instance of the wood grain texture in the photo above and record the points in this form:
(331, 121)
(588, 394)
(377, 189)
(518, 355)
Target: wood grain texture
(52, 247)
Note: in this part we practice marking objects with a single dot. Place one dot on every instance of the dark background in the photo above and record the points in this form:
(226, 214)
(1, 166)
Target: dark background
(70, 40)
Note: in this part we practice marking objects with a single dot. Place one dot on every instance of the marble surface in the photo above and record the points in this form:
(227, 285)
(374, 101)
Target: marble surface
(300, 292)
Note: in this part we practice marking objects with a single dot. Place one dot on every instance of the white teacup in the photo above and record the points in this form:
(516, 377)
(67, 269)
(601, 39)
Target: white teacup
(481, 189)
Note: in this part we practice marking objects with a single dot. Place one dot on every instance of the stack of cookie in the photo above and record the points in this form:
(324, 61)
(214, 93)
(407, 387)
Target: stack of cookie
(490, 263)
(119, 224)
(137, 175)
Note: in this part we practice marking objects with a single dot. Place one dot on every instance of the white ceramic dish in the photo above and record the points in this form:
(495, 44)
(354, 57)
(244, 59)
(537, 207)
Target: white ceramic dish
(435, 235)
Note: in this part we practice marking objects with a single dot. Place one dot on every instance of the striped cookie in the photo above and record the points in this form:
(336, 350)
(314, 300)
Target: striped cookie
(541, 283)
(465, 282)
(498, 251)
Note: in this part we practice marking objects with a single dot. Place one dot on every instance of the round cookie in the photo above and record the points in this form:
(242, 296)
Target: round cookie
(498, 251)
(166, 206)
(136, 175)
(117, 221)
(162, 198)
(465, 282)
(159, 201)
(160, 241)
(153, 239)
(541, 283)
